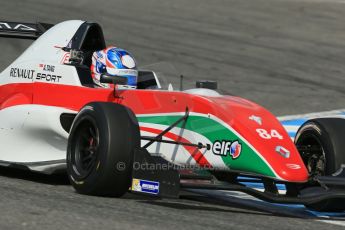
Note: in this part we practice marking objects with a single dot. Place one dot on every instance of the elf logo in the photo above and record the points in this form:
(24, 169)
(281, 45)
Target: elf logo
(15, 26)
(225, 148)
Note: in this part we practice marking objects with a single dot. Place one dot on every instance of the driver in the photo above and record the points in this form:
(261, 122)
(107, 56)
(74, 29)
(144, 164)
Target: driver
(117, 62)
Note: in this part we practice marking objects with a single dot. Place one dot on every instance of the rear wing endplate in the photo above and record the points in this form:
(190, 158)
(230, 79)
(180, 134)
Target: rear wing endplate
(23, 30)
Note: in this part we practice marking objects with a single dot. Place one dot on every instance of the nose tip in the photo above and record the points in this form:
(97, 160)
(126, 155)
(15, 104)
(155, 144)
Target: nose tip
(295, 173)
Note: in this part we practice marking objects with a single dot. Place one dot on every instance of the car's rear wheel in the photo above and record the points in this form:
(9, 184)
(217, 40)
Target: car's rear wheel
(100, 150)
(321, 145)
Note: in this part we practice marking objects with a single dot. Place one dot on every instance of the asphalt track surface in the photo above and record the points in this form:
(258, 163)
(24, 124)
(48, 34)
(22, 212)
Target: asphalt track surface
(286, 55)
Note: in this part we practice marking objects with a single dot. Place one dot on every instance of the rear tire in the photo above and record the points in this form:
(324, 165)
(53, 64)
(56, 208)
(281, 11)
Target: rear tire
(101, 148)
(321, 145)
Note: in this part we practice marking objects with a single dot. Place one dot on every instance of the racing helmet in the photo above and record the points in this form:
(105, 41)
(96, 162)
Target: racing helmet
(116, 62)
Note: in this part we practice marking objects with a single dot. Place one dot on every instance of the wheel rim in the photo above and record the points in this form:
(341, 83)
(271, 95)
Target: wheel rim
(85, 151)
(313, 155)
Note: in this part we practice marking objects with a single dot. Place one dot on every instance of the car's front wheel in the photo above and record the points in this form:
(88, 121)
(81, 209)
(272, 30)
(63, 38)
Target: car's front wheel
(100, 149)
(321, 145)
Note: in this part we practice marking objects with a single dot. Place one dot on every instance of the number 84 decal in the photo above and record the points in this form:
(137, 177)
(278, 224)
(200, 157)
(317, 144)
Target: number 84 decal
(263, 133)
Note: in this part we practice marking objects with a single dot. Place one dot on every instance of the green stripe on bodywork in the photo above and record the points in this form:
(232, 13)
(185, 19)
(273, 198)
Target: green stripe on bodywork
(248, 161)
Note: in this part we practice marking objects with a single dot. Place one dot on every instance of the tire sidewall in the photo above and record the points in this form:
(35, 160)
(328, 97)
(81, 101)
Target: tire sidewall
(317, 131)
(117, 141)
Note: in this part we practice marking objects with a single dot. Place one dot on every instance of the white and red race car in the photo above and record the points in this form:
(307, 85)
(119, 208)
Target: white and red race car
(53, 118)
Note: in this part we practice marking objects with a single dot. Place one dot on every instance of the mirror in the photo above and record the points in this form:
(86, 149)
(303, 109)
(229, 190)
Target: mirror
(110, 79)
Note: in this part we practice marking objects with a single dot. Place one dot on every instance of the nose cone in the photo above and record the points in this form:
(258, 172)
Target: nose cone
(266, 137)
(285, 160)
(294, 172)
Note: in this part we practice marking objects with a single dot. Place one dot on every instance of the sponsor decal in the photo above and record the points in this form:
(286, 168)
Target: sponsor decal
(30, 74)
(65, 58)
(283, 151)
(235, 149)
(48, 68)
(22, 73)
(15, 26)
(145, 186)
(48, 77)
(256, 119)
(293, 166)
(225, 148)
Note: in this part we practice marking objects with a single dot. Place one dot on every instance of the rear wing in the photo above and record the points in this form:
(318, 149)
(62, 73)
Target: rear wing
(23, 30)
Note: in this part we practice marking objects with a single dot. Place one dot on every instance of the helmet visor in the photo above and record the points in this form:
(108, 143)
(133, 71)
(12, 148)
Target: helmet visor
(122, 72)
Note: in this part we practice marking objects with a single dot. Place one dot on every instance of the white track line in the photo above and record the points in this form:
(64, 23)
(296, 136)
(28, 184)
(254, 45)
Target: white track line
(334, 222)
(333, 113)
(291, 128)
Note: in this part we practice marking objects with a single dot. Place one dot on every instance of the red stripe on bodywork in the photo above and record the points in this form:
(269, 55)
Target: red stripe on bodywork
(194, 152)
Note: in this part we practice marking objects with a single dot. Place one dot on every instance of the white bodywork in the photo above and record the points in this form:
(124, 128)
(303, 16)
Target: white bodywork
(47, 50)
(32, 135)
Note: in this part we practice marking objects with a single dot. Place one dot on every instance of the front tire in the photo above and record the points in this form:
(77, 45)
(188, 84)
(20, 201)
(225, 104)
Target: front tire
(101, 148)
(321, 145)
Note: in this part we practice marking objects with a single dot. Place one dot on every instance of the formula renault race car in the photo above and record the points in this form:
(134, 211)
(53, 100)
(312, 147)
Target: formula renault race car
(152, 140)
